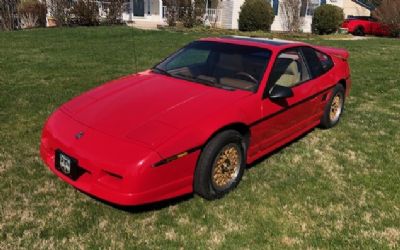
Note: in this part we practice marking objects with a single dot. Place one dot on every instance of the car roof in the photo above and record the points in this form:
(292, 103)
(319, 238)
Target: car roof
(272, 44)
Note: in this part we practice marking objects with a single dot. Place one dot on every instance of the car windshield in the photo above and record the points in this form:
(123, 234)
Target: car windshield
(218, 64)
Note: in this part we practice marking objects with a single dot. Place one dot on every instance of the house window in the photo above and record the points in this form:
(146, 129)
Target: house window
(275, 6)
(209, 4)
(311, 6)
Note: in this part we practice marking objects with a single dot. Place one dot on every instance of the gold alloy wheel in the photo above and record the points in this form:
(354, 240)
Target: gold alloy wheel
(336, 108)
(226, 166)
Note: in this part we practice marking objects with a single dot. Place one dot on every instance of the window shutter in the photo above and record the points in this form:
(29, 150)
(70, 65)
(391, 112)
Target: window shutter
(275, 6)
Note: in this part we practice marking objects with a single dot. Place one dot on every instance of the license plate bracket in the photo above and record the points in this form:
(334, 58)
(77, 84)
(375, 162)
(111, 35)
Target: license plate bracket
(66, 165)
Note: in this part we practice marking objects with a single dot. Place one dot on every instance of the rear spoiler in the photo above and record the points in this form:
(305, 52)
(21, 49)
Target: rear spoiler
(336, 52)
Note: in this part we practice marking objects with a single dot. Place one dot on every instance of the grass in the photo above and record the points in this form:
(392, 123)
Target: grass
(335, 188)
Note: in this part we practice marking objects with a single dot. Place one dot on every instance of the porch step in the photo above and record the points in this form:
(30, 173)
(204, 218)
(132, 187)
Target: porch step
(144, 24)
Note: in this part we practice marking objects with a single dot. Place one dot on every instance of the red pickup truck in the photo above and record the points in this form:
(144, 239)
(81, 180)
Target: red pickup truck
(364, 25)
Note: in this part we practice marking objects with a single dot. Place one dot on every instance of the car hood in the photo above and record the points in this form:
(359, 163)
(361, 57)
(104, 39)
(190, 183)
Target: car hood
(148, 107)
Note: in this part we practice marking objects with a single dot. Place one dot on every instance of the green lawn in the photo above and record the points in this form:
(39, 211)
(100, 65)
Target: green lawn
(336, 188)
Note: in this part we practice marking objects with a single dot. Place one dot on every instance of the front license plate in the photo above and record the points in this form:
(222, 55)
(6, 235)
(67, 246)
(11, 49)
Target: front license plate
(66, 165)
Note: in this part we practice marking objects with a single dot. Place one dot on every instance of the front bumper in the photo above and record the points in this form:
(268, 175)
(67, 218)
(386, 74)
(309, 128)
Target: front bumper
(343, 30)
(114, 170)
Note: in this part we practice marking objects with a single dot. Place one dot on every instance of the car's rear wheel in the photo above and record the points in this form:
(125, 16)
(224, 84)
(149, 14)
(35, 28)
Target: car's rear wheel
(221, 165)
(334, 108)
(359, 31)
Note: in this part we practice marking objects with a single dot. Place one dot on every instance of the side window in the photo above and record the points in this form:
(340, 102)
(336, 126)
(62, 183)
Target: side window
(318, 62)
(289, 69)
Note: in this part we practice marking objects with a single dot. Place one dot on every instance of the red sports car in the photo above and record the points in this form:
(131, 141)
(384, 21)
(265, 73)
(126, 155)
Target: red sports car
(361, 26)
(193, 122)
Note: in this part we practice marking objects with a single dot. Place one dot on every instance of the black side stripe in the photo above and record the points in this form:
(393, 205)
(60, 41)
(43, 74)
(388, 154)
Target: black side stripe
(289, 107)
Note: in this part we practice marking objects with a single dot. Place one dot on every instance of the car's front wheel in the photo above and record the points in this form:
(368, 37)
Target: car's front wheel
(221, 165)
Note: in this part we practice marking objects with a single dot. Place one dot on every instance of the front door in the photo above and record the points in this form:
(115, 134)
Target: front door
(138, 7)
(285, 117)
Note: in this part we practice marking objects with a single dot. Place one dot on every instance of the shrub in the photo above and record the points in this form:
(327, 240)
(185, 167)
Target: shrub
(32, 13)
(171, 16)
(86, 12)
(114, 12)
(327, 19)
(172, 12)
(189, 18)
(256, 15)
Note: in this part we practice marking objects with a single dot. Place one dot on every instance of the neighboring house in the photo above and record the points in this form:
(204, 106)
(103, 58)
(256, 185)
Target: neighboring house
(225, 13)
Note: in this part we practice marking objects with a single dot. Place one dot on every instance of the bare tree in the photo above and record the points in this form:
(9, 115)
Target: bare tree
(389, 13)
(8, 14)
(292, 21)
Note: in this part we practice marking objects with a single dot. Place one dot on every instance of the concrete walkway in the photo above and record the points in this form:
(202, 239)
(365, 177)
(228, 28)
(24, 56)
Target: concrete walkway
(145, 24)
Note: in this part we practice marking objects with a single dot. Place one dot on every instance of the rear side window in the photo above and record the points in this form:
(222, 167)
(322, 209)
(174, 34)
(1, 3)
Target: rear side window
(325, 60)
(318, 62)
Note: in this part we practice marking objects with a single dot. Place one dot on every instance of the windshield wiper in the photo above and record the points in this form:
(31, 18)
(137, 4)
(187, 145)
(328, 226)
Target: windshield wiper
(206, 82)
(212, 83)
(161, 71)
(191, 78)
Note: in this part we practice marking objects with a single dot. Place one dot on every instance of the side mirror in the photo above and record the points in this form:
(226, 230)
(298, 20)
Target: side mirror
(280, 92)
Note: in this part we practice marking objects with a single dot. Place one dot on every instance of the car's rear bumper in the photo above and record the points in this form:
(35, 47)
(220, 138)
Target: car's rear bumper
(110, 171)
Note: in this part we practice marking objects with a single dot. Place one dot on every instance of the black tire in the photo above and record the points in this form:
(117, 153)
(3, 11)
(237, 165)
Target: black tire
(204, 180)
(359, 31)
(329, 120)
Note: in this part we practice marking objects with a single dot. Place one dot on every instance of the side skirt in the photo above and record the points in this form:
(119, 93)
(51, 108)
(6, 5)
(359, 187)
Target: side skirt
(315, 122)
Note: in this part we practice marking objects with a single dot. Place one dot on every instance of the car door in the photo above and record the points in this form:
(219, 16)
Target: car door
(285, 118)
